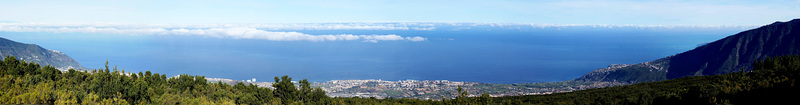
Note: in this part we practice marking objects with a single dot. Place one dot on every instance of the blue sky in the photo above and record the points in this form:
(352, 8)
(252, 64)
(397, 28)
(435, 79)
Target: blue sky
(657, 12)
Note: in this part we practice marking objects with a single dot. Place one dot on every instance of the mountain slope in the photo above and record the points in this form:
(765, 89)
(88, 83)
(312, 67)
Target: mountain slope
(771, 82)
(37, 54)
(731, 54)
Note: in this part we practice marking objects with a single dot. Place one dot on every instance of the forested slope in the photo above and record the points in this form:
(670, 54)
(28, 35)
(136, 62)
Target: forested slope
(28, 83)
(772, 80)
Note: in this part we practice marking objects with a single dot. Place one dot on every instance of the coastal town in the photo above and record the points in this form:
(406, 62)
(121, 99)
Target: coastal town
(432, 89)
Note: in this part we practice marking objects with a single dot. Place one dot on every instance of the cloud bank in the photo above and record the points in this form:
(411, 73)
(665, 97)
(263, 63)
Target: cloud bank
(218, 31)
(287, 32)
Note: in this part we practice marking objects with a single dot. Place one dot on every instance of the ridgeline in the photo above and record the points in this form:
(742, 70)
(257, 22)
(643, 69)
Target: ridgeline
(727, 55)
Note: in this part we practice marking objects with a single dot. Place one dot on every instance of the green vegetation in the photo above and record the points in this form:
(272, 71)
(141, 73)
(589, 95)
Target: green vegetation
(568, 83)
(392, 93)
(771, 81)
(28, 83)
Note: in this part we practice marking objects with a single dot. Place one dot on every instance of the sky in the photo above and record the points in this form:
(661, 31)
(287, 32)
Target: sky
(636, 12)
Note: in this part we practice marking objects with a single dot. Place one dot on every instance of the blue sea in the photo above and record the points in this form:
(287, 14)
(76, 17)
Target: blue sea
(475, 55)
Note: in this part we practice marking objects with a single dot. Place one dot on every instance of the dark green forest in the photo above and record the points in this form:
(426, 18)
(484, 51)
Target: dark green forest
(771, 81)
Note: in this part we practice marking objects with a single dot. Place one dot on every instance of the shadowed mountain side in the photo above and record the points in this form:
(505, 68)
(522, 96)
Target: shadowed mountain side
(731, 54)
(37, 54)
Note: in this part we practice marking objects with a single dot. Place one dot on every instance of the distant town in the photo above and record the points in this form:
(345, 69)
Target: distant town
(432, 89)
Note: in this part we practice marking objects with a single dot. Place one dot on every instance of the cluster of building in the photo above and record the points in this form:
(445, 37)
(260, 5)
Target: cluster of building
(426, 89)
(250, 80)
(231, 81)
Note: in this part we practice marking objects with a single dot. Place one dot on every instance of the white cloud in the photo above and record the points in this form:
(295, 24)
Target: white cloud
(425, 28)
(416, 38)
(218, 31)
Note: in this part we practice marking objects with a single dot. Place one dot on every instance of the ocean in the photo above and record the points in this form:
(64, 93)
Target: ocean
(474, 55)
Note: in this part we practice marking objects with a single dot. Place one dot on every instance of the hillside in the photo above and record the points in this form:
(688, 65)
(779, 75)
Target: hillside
(727, 55)
(771, 81)
(37, 54)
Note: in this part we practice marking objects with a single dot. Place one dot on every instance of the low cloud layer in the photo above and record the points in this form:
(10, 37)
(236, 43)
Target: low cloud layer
(207, 30)
(287, 32)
